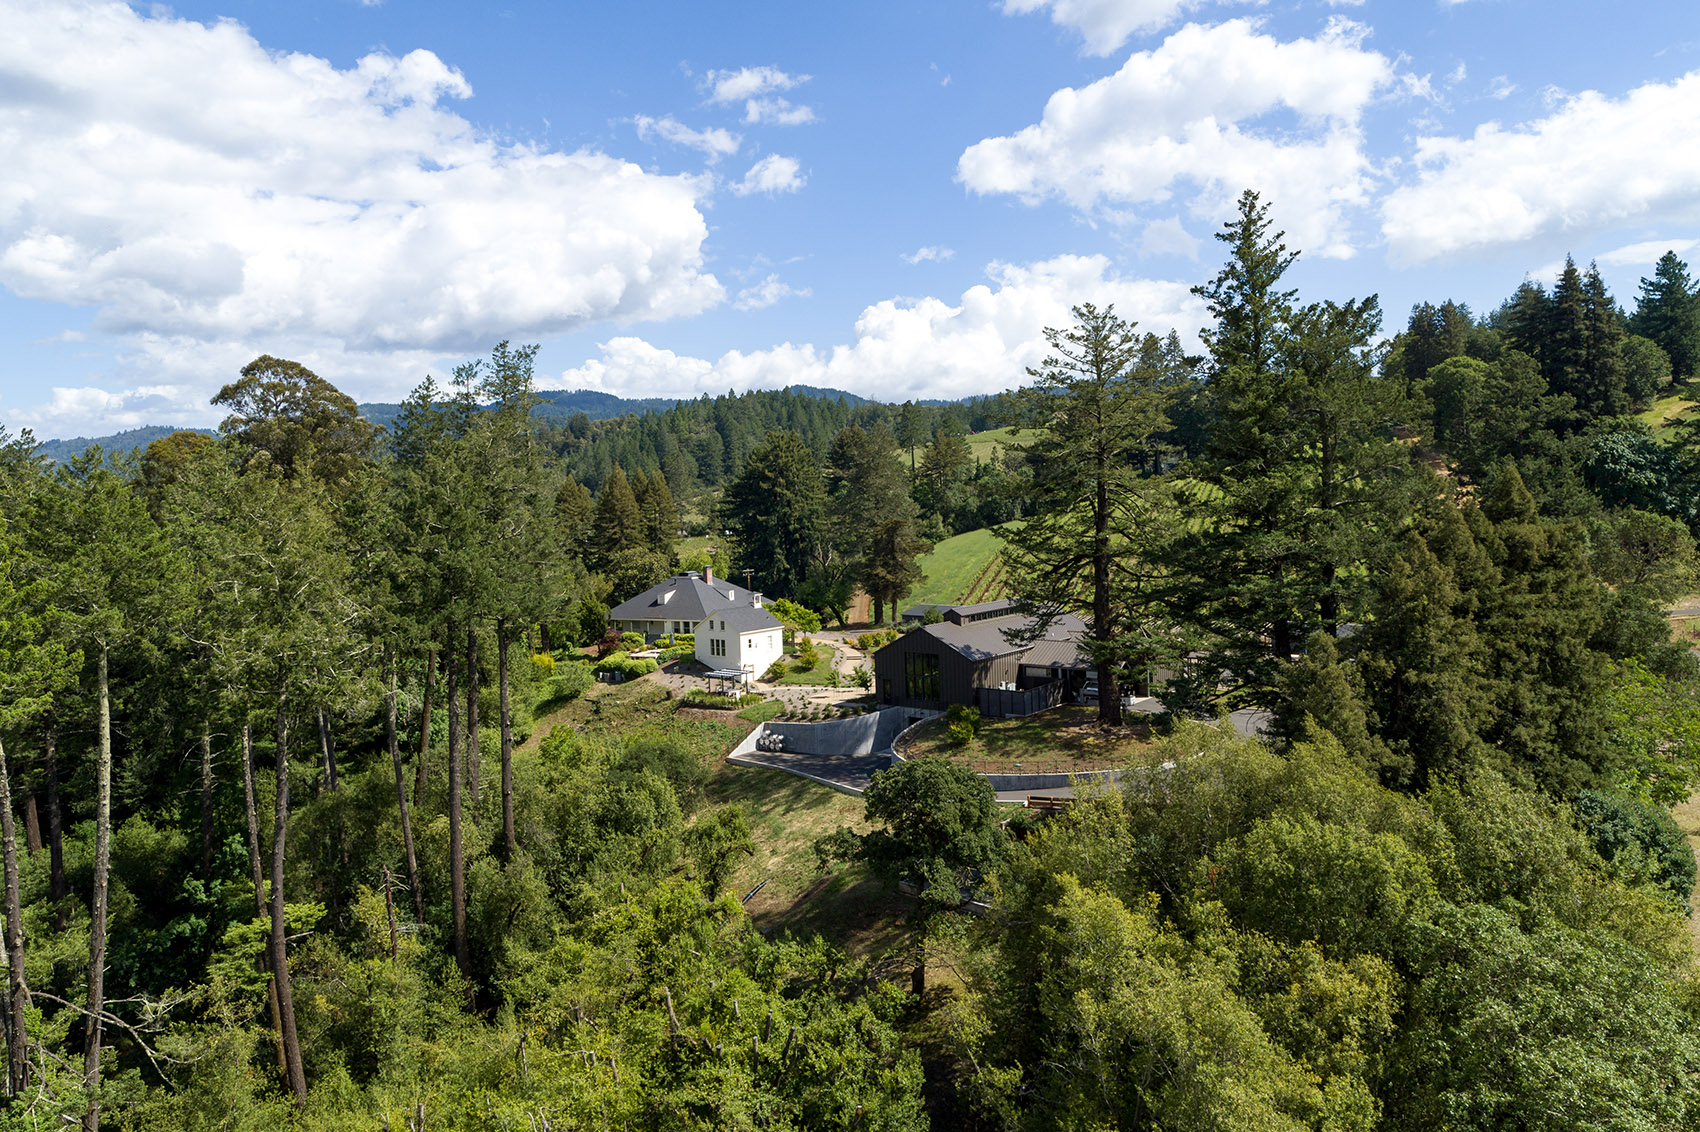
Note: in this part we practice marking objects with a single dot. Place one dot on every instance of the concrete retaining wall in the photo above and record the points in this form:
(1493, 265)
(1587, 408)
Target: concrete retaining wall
(858, 735)
(1051, 781)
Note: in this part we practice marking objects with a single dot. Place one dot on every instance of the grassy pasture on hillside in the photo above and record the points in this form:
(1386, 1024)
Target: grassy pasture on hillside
(1667, 411)
(985, 446)
(964, 567)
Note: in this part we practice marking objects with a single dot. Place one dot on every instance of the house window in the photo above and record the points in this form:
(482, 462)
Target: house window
(921, 676)
(716, 647)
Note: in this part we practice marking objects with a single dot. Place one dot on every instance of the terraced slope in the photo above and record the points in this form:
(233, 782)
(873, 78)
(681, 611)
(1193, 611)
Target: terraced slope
(965, 567)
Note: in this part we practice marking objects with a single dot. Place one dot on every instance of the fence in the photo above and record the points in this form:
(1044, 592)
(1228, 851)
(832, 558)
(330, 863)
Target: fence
(1000, 704)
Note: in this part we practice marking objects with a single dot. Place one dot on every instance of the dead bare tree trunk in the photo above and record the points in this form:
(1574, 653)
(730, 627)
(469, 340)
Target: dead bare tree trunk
(18, 993)
(55, 826)
(206, 803)
(327, 750)
(97, 925)
(457, 863)
(474, 756)
(32, 824)
(253, 814)
(508, 841)
(424, 729)
(280, 960)
(401, 796)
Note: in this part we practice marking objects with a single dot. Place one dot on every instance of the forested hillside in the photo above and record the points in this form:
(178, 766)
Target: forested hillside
(313, 812)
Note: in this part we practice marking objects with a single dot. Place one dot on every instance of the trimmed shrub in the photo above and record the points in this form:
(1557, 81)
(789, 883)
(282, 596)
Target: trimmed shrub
(775, 672)
(876, 640)
(698, 698)
(628, 668)
(630, 641)
(962, 713)
(569, 681)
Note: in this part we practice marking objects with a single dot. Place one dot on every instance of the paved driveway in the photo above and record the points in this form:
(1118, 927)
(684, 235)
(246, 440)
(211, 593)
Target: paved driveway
(847, 772)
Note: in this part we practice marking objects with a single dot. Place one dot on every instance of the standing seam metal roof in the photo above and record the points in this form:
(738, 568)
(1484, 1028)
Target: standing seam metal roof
(984, 640)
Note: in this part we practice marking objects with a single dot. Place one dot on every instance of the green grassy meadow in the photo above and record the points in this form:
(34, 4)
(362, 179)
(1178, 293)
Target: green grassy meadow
(984, 445)
(1667, 411)
(964, 567)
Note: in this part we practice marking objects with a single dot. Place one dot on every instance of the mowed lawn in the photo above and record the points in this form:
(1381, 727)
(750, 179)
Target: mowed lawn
(826, 663)
(954, 566)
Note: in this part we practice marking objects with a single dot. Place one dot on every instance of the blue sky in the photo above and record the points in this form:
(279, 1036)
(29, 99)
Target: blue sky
(675, 198)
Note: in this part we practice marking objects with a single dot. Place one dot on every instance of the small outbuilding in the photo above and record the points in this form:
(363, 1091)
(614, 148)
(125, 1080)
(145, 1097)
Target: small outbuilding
(742, 638)
(968, 658)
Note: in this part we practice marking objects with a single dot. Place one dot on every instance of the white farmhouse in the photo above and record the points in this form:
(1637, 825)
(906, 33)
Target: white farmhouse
(675, 605)
(740, 642)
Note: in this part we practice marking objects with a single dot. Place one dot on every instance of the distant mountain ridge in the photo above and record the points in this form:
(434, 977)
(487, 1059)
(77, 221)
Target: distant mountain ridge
(62, 451)
(558, 404)
(554, 404)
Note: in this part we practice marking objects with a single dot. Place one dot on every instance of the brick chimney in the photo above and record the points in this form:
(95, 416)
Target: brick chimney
(708, 574)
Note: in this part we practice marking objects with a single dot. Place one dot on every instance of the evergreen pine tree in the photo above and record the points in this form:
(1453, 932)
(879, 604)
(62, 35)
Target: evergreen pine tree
(1668, 311)
(1605, 390)
(618, 525)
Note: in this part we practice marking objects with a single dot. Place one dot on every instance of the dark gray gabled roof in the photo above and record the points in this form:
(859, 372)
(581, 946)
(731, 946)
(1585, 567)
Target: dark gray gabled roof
(983, 640)
(977, 611)
(744, 618)
(1057, 654)
(683, 597)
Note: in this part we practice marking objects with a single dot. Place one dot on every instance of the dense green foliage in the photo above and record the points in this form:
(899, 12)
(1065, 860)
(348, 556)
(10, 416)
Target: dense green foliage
(1249, 940)
(291, 855)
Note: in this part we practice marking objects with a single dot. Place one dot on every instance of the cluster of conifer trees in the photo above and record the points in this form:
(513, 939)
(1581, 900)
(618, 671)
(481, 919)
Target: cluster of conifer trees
(279, 845)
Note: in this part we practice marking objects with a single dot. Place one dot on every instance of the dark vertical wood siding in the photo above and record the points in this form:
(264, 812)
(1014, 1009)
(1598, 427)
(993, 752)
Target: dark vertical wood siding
(959, 677)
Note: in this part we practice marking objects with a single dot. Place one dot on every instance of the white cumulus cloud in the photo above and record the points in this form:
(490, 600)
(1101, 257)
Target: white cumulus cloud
(776, 112)
(714, 143)
(756, 88)
(925, 347)
(772, 174)
(1107, 24)
(749, 82)
(1594, 163)
(184, 180)
(768, 292)
(1219, 109)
